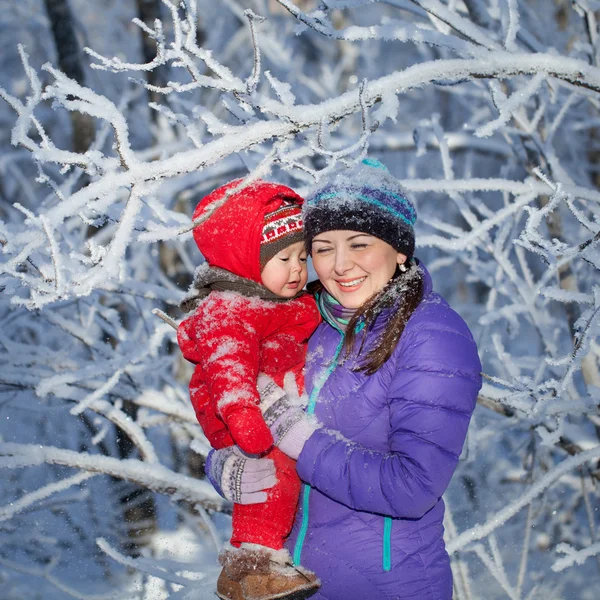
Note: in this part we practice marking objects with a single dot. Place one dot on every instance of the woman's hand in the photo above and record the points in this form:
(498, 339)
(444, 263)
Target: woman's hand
(238, 477)
(283, 411)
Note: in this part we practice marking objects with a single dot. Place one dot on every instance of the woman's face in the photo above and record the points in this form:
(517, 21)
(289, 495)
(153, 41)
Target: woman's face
(352, 265)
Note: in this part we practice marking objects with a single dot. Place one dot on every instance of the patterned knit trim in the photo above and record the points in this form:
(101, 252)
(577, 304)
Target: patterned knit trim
(281, 222)
(282, 228)
(382, 198)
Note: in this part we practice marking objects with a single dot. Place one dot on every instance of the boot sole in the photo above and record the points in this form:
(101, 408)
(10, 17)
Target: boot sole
(302, 594)
(298, 594)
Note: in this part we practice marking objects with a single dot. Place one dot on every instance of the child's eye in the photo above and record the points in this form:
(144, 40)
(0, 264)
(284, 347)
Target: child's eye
(284, 259)
(303, 259)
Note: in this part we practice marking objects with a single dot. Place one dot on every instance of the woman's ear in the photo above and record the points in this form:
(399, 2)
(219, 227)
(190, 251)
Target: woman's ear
(401, 259)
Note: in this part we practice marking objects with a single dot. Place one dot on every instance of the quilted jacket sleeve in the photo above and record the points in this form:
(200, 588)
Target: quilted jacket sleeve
(431, 398)
(226, 349)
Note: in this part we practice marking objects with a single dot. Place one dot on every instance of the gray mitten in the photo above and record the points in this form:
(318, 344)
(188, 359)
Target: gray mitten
(239, 477)
(283, 411)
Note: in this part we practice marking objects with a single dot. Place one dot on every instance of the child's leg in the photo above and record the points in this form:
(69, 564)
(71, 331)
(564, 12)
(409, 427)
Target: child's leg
(269, 523)
(261, 569)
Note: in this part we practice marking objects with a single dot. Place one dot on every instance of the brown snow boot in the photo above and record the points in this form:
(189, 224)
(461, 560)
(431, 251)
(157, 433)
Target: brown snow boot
(227, 588)
(256, 574)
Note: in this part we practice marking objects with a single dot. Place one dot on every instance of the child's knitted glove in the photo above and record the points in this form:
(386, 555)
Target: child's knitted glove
(238, 477)
(283, 410)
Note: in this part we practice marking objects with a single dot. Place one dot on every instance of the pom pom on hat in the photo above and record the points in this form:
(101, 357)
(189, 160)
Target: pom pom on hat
(365, 198)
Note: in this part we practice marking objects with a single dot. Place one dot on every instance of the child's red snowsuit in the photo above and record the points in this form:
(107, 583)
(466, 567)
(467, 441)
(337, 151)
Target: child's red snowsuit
(231, 338)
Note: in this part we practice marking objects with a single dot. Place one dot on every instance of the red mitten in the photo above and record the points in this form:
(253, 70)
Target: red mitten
(248, 429)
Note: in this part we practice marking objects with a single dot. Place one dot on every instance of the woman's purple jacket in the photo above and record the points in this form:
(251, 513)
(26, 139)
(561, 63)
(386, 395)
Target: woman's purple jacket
(369, 522)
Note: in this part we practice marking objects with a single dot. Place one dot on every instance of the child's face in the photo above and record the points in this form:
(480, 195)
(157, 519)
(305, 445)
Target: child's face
(286, 273)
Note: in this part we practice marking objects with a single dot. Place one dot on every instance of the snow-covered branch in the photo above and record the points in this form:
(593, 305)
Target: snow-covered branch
(154, 477)
(488, 112)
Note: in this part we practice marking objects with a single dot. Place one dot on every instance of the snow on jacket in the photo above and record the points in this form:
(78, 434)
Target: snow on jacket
(370, 517)
(230, 337)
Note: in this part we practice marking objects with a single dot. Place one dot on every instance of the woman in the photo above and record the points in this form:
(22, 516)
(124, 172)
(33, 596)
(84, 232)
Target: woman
(392, 378)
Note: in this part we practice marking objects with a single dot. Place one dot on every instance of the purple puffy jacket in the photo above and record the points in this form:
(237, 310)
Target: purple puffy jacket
(370, 516)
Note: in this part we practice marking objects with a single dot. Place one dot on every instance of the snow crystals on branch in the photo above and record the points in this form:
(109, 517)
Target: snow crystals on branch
(487, 110)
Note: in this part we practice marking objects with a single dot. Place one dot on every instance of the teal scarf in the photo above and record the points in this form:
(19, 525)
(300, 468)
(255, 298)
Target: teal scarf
(333, 312)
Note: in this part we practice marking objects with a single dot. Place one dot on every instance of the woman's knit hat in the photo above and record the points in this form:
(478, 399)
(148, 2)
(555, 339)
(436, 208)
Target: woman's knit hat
(365, 198)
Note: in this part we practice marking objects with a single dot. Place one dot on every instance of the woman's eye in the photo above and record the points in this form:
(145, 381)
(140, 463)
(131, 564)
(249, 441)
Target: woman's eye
(323, 250)
(358, 246)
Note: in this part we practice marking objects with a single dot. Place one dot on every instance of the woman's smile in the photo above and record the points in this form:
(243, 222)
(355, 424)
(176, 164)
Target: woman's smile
(350, 285)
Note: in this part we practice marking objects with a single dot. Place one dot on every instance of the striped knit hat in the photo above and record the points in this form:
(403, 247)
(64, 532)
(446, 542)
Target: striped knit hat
(282, 228)
(365, 198)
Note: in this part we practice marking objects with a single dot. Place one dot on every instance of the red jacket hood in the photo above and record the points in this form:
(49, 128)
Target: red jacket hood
(230, 237)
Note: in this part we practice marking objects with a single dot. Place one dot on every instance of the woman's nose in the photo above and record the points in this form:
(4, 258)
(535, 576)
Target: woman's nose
(342, 262)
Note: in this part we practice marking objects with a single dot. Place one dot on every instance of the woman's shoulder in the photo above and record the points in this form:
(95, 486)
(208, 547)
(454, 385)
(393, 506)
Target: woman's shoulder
(437, 338)
(435, 316)
(436, 362)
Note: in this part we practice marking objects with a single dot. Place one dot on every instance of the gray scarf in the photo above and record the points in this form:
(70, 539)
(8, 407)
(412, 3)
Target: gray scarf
(214, 279)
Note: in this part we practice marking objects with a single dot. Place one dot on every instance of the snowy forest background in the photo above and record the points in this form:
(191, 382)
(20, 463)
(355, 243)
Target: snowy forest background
(488, 110)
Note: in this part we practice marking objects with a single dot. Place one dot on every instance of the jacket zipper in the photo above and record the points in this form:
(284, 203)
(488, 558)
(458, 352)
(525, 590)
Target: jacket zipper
(387, 521)
(306, 487)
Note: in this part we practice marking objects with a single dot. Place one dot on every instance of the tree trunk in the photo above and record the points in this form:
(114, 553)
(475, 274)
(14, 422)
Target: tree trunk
(71, 64)
(139, 508)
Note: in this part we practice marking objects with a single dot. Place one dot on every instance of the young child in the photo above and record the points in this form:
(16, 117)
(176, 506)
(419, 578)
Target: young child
(250, 316)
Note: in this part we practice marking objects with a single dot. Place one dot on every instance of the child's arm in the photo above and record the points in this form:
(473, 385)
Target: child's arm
(214, 429)
(304, 319)
(227, 350)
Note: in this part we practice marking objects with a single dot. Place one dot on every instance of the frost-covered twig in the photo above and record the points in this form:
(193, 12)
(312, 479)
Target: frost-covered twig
(24, 502)
(46, 575)
(256, 69)
(574, 556)
(392, 30)
(541, 485)
(153, 476)
(463, 26)
(145, 564)
(161, 315)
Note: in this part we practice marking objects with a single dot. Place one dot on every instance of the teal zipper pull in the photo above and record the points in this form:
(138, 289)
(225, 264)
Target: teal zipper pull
(387, 544)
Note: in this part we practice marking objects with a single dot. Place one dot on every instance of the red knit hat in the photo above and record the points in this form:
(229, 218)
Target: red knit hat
(282, 228)
(231, 237)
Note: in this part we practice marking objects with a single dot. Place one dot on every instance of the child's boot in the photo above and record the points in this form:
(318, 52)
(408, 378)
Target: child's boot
(258, 573)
